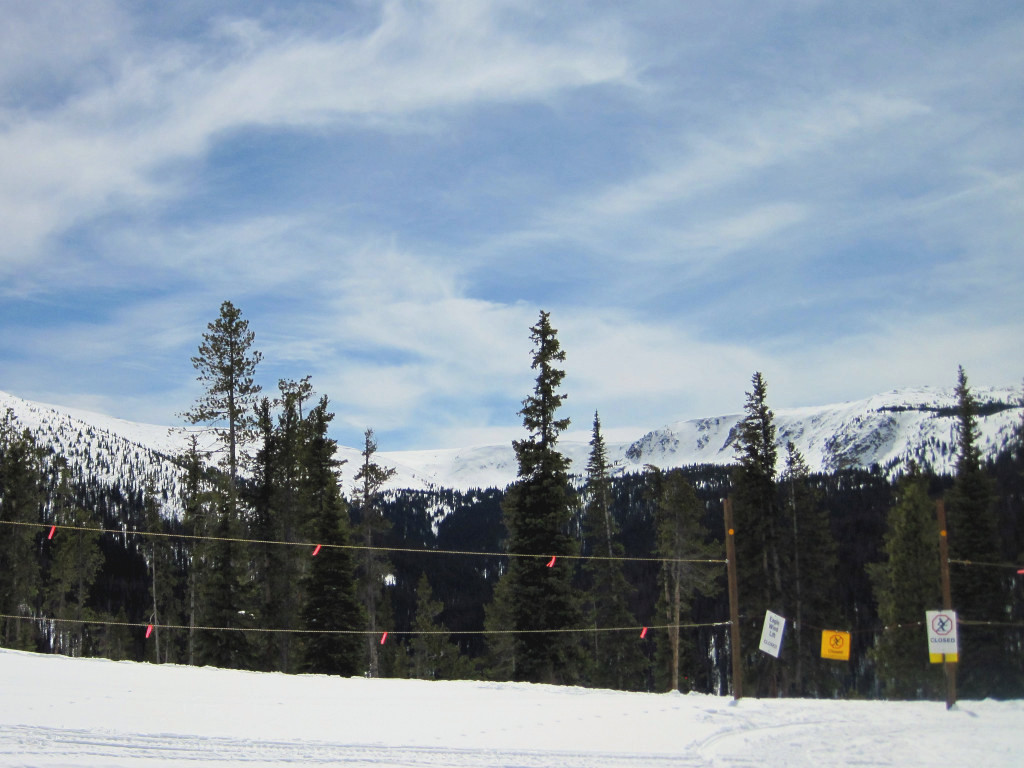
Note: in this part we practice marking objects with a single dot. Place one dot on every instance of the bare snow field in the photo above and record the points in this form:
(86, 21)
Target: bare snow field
(58, 711)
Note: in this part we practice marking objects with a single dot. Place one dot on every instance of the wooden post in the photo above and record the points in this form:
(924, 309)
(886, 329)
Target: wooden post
(734, 602)
(947, 597)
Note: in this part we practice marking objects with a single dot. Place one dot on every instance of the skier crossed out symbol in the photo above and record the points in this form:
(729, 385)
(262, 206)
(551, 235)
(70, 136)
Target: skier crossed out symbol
(837, 641)
(942, 624)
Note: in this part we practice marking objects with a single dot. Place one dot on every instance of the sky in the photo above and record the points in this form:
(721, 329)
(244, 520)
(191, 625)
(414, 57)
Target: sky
(830, 193)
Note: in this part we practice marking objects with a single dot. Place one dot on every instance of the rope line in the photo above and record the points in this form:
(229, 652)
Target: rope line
(313, 544)
(472, 632)
(364, 632)
(978, 623)
(986, 565)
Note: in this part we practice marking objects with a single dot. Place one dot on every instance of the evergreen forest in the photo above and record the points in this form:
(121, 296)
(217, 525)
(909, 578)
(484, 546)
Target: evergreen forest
(612, 581)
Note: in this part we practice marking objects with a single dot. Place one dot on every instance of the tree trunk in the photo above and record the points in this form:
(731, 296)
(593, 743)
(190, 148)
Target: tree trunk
(156, 615)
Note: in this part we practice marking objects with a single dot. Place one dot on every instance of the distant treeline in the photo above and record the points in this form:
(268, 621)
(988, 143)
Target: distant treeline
(602, 580)
(858, 502)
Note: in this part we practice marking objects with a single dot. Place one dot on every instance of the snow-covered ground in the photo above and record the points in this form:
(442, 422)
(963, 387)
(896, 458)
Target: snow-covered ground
(57, 711)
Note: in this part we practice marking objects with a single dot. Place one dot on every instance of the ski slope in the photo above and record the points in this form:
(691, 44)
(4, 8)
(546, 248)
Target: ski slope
(57, 711)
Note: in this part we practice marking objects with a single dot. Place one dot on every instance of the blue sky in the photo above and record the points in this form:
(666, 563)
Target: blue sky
(831, 193)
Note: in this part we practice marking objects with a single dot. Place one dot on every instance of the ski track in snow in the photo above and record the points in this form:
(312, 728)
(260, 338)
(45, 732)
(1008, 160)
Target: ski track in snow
(794, 745)
(53, 747)
(56, 711)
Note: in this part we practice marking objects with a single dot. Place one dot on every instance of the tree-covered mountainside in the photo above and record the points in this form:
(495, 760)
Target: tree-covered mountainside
(252, 540)
(457, 540)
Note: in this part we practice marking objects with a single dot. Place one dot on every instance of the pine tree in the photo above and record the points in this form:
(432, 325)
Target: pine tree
(906, 584)
(75, 560)
(225, 599)
(262, 500)
(760, 529)
(538, 512)
(979, 592)
(616, 659)
(681, 536)
(197, 499)
(501, 661)
(164, 576)
(374, 566)
(434, 656)
(278, 515)
(227, 365)
(332, 608)
(812, 579)
(21, 497)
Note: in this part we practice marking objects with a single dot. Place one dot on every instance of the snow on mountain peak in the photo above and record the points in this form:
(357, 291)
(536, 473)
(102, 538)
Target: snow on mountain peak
(889, 429)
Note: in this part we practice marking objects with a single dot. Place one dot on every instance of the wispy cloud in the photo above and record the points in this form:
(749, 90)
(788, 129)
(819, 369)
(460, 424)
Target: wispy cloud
(118, 143)
(830, 193)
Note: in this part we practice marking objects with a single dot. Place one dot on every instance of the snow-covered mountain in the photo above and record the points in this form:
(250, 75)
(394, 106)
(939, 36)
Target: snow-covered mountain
(889, 430)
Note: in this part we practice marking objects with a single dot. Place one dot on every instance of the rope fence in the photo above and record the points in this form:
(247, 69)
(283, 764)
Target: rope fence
(363, 547)
(363, 632)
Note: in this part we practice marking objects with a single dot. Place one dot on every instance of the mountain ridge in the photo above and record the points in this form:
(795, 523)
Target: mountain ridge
(888, 430)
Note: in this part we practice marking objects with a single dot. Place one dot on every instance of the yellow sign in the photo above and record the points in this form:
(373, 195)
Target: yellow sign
(835, 645)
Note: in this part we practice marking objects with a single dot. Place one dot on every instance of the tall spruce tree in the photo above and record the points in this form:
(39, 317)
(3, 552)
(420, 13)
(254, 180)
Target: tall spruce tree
(374, 565)
(331, 608)
(538, 511)
(979, 591)
(760, 530)
(906, 584)
(278, 515)
(227, 365)
(616, 659)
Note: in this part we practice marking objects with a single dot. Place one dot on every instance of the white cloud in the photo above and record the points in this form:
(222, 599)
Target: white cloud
(898, 353)
(705, 162)
(113, 143)
(703, 193)
(891, 193)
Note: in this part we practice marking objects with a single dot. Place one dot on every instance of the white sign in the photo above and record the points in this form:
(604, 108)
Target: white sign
(941, 635)
(771, 635)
